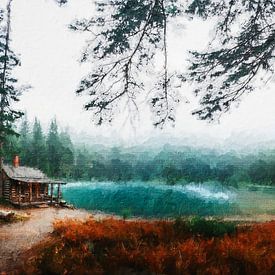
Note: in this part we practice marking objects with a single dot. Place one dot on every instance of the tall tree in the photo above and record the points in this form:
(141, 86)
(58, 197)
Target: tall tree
(9, 93)
(38, 148)
(82, 164)
(25, 141)
(11, 147)
(53, 148)
(67, 156)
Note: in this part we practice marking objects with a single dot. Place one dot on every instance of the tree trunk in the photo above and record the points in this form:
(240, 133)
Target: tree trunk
(3, 80)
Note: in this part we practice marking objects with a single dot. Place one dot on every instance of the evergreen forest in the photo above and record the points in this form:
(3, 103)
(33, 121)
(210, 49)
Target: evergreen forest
(55, 153)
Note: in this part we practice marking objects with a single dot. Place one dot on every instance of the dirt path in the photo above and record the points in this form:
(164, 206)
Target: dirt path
(15, 238)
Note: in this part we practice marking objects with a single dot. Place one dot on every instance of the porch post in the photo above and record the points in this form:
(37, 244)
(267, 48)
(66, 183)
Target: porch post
(36, 190)
(51, 193)
(19, 192)
(30, 191)
(58, 193)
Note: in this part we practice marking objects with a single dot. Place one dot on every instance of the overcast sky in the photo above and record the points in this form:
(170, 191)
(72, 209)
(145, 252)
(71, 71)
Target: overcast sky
(50, 55)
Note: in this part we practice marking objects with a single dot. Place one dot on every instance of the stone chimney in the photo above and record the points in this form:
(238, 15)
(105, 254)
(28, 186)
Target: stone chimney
(16, 162)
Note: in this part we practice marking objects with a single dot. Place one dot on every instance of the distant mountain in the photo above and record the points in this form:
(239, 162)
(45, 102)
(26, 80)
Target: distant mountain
(242, 142)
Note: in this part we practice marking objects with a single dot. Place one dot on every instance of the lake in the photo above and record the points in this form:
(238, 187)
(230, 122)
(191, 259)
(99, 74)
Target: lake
(161, 201)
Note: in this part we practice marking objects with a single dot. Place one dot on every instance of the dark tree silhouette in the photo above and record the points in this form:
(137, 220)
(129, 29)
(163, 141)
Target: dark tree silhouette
(8, 91)
(241, 53)
(127, 35)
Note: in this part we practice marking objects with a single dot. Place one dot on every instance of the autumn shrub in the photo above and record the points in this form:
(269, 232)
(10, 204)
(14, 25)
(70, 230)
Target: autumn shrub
(115, 246)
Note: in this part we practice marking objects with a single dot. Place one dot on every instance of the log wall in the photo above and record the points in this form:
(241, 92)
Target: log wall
(27, 192)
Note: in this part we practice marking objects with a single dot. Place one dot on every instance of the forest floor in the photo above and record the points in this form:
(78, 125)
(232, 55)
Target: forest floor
(17, 238)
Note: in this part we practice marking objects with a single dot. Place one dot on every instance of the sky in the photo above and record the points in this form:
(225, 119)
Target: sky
(50, 54)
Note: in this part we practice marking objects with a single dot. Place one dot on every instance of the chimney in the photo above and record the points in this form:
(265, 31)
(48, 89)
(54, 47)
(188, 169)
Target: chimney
(16, 162)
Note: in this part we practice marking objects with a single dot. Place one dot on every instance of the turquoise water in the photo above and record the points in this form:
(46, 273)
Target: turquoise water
(159, 200)
(152, 200)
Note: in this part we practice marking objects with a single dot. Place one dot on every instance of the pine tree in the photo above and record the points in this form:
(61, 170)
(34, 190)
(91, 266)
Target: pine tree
(25, 141)
(83, 164)
(9, 93)
(67, 156)
(38, 147)
(53, 150)
(11, 147)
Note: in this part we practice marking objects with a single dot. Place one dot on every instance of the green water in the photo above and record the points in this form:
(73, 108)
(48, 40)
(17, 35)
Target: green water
(256, 200)
(157, 200)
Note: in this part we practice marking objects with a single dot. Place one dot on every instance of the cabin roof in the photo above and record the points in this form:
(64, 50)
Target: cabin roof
(28, 174)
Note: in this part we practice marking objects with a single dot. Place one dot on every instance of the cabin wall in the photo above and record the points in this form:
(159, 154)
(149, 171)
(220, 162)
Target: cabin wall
(18, 192)
(6, 187)
(14, 196)
(21, 192)
(1, 186)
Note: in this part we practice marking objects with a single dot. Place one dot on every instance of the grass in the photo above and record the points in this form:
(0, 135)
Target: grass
(207, 228)
(126, 213)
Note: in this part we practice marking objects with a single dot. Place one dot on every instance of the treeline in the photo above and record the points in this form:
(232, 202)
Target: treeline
(54, 153)
(174, 165)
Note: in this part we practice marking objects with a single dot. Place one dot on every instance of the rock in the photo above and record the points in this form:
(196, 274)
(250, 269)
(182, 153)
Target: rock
(64, 204)
(6, 215)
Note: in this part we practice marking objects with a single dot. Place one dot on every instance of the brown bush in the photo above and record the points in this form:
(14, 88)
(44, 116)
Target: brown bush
(128, 247)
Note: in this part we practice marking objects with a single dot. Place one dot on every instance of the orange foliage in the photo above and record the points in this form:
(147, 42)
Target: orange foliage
(112, 246)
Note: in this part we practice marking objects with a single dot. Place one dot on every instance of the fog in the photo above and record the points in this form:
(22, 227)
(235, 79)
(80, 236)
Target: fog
(50, 55)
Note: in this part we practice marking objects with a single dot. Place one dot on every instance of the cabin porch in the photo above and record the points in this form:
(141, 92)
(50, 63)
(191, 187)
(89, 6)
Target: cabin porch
(33, 193)
(21, 185)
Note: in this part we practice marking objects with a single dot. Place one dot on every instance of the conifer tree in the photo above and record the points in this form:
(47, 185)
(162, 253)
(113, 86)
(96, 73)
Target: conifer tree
(53, 149)
(11, 147)
(38, 147)
(67, 155)
(25, 141)
(83, 164)
(9, 93)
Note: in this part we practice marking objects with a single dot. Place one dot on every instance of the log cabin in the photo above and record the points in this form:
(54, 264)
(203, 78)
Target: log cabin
(25, 186)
